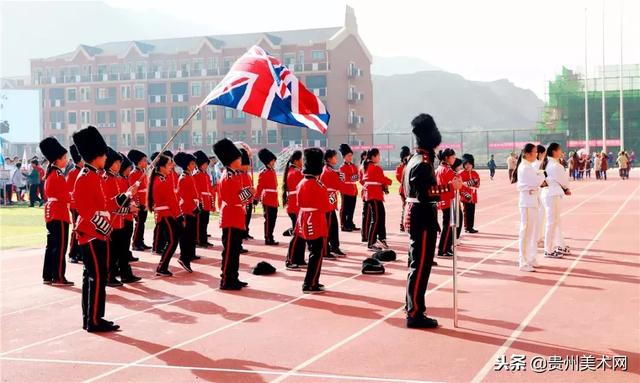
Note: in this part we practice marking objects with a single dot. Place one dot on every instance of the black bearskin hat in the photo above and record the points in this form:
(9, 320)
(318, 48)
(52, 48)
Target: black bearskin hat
(90, 143)
(135, 156)
(168, 153)
(468, 159)
(313, 162)
(226, 151)
(51, 149)
(112, 156)
(345, 149)
(456, 164)
(265, 155)
(244, 155)
(183, 159)
(201, 158)
(426, 132)
(75, 156)
(125, 163)
(404, 152)
(154, 155)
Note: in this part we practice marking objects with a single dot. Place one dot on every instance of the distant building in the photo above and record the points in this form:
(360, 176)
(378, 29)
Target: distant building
(138, 92)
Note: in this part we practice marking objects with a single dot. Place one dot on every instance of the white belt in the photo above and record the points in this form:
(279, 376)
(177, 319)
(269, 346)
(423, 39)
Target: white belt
(373, 183)
(350, 183)
(269, 190)
(292, 193)
(143, 191)
(205, 193)
(53, 199)
(308, 209)
(412, 200)
(226, 204)
(160, 208)
(331, 190)
(103, 213)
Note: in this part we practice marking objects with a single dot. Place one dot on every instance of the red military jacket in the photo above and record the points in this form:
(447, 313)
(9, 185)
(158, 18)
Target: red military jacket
(206, 192)
(331, 180)
(267, 190)
(93, 220)
(471, 183)
(58, 197)
(188, 195)
(399, 173)
(313, 200)
(374, 180)
(123, 184)
(350, 176)
(174, 180)
(444, 176)
(294, 176)
(117, 202)
(71, 183)
(137, 174)
(164, 198)
(235, 193)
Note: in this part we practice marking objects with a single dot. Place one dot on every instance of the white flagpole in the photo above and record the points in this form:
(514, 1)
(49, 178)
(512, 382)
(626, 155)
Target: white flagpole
(586, 87)
(621, 85)
(453, 223)
(604, 115)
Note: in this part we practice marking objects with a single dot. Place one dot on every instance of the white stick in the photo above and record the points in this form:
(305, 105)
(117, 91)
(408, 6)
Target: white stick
(453, 223)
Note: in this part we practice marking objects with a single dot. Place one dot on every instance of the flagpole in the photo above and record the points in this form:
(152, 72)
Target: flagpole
(621, 85)
(586, 87)
(604, 115)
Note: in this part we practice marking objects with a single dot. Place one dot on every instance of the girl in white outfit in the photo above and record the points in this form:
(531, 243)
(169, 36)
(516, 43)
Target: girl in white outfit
(557, 186)
(528, 182)
(540, 222)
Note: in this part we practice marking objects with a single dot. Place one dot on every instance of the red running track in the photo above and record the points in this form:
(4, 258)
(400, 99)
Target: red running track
(183, 329)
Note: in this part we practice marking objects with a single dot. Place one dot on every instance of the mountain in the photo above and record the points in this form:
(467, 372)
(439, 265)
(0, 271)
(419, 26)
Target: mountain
(388, 66)
(455, 103)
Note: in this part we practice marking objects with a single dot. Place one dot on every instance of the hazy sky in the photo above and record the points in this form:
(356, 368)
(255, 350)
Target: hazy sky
(526, 42)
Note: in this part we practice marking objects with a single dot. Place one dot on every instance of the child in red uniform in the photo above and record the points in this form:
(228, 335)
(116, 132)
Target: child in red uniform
(190, 205)
(311, 226)
(364, 228)
(74, 250)
(138, 177)
(163, 203)
(207, 198)
(331, 180)
(445, 175)
(123, 181)
(56, 213)
(267, 193)
(292, 177)
(375, 185)
(405, 153)
(469, 192)
(349, 175)
(234, 197)
(92, 228)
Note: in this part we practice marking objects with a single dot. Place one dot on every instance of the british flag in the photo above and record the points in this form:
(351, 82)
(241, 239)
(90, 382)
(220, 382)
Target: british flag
(260, 85)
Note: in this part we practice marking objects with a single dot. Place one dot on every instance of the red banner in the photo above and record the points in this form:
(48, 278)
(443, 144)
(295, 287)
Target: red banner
(582, 143)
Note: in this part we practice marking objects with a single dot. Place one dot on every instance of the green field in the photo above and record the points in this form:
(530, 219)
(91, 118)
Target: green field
(22, 226)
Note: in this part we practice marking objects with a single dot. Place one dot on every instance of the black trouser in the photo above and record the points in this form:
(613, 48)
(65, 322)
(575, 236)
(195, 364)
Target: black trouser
(421, 251)
(201, 225)
(94, 281)
(8, 194)
(346, 211)
(231, 244)
(159, 238)
(270, 215)
(377, 224)
(318, 249)
(446, 239)
(332, 224)
(293, 217)
(188, 239)
(469, 215)
(295, 254)
(74, 249)
(138, 234)
(54, 260)
(172, 230)
(247, 219)
(366, 218)
(33, 194)
(118, 254)
(41, 191)
(603, 174)
(492, 172)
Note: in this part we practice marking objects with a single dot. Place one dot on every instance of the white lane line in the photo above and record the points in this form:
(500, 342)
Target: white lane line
(215, 369)
(398, 310)
(518, 331)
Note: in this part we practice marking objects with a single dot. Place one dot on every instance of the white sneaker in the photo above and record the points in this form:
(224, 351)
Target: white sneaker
(527, 268)
(534, 264)
(382, 244)
(553, 254)
(563, 250)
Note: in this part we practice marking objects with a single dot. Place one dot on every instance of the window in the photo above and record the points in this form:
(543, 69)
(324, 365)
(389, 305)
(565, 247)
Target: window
(241, 114)
(126, 139)
(106, 96)
(256, 136)
(84, 94)
(317, 55)
(227, 62)
(272, 136)
(71, 94)
(157, 89)
(139, 115)
(113, 140)
(125, 92)
(85, 117)
(157, 117)
(101, 117)
(179, 91)
(315, 82)
(73, 118)
(103, 93)
(196, 138)
(125, 115)
(289, 59)
(211, 113)
(301, 57)
(178, 114)
(140, 139)
(195, 89)
(242, 136)
(228, 114)
(57, 119)
(139, 92)
(211, 138)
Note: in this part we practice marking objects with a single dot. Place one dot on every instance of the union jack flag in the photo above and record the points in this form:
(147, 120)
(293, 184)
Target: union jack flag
(260, 85)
